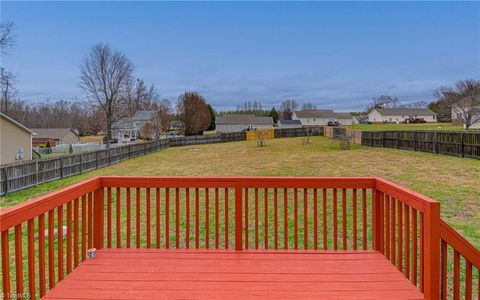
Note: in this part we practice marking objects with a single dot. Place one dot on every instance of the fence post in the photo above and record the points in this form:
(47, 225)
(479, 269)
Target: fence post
(96, 160)
(431, 229)
(238, 218)
(6, 179)
(36, 172)
(396, 140)
(463, 144)
(415, 140)
(81, 163)
(61, 167)
(435, 142)
(98, 208)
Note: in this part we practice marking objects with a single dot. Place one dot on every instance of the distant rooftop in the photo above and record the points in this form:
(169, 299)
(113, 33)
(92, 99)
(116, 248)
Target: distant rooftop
(250, 119)
(144, 115)
(290, 122)
(322, 114)
(52, 133)
(405, 111)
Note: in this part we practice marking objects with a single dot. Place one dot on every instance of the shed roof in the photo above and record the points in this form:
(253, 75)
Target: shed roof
(242, 119)
(315, 113)
(16, 123)
(405, 111)
(52, 133)
(290, 122)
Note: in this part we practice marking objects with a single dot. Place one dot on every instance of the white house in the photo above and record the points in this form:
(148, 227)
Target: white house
(241, 122)
(127, 129)
(321, 117)
(289, 124)
(401, 115)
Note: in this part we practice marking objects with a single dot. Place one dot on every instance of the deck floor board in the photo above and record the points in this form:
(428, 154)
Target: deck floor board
(212, 274)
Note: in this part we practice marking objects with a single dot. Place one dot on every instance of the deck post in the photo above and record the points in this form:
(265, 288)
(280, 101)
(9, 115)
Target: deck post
(238, 218)
(432, 251)
(98, 218)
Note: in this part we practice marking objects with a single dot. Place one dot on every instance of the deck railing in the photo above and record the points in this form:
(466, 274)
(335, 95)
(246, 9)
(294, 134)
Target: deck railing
(238, 213)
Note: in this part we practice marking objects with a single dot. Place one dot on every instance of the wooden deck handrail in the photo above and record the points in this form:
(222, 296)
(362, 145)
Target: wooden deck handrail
(242, 213)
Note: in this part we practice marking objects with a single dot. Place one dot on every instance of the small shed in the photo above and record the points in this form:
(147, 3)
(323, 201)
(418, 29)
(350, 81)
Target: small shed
(55, 136)
(289, 124)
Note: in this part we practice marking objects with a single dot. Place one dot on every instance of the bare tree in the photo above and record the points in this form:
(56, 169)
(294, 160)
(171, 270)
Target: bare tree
(7, 39)
(6, 87)
(104, 75)
(287, 108)
(192, 110)
(262, 135)
(464, 100)
(308, 106)
(162, 118)
(383, 101)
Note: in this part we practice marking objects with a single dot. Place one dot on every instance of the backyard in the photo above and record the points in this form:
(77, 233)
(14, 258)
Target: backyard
(452, 181)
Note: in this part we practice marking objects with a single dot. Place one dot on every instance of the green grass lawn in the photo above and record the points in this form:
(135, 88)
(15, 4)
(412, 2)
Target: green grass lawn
(425, 126)
(451, 180)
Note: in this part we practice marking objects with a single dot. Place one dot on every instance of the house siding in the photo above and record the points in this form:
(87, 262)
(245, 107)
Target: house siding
(70, 138)
(375, 117)
(12, 139)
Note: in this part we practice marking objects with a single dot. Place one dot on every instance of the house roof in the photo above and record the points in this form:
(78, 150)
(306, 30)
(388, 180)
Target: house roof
(290, 122)
(144, 115)
(242, 119)
(315, 113)
(124, 123)
(16, 123)
(405, 111)
(343, 115)
(52, 133)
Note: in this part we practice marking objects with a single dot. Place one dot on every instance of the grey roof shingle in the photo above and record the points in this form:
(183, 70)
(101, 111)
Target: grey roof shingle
(52, 133)
(290, 122)
(405, 112)
(250, 119)
(315, 113)
(144, 115)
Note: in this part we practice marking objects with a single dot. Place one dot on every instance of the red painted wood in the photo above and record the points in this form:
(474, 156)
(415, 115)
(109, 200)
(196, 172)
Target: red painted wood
(393, 231)
(354, 225)
(167, 218)
(177, 218)
(18, 260)
(84, 228)
(129, 222)
(69, 237)
(117, 217)
(210, 274)
(456, 275)
(364, 219)
(31, 258)
(422, 251)
(187, 218)
(324, 217)
(414, 246)
(247, 225)
(285, 218)
(305, 219)
(344, 219)
(157, 217)
(335, 221)
(315, 219)
(197, 219)
(41, 254)
(226, 218)
(5, 263)
(76, 208)
(60, 242)
(444, 275)
(109, 217)
(207, 219)
(468, 281)
(386, 205)
(256, 218)
(51, 250)
(406, 270)
(400, 236)
(265, 213)
(90, 220)
(148, 216)
(137, 217)
(275, 217)
(238, 219)
(295, 218)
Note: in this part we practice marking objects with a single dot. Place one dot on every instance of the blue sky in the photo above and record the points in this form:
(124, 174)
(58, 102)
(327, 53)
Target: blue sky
(334, 54)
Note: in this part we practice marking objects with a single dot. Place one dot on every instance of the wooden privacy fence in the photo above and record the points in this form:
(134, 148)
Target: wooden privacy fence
(461, 143)
(238, 213)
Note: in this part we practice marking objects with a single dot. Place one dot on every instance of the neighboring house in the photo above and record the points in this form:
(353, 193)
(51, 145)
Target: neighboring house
(127, 129)
(401, 115)
(176, 125)
(321, 117)
(289, 124)
(360, 119)
(15, 140)
(241, 122)
(457, 116)
(55, 136)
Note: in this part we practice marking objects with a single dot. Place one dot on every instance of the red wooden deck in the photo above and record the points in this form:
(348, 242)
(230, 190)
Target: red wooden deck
(220, 274)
